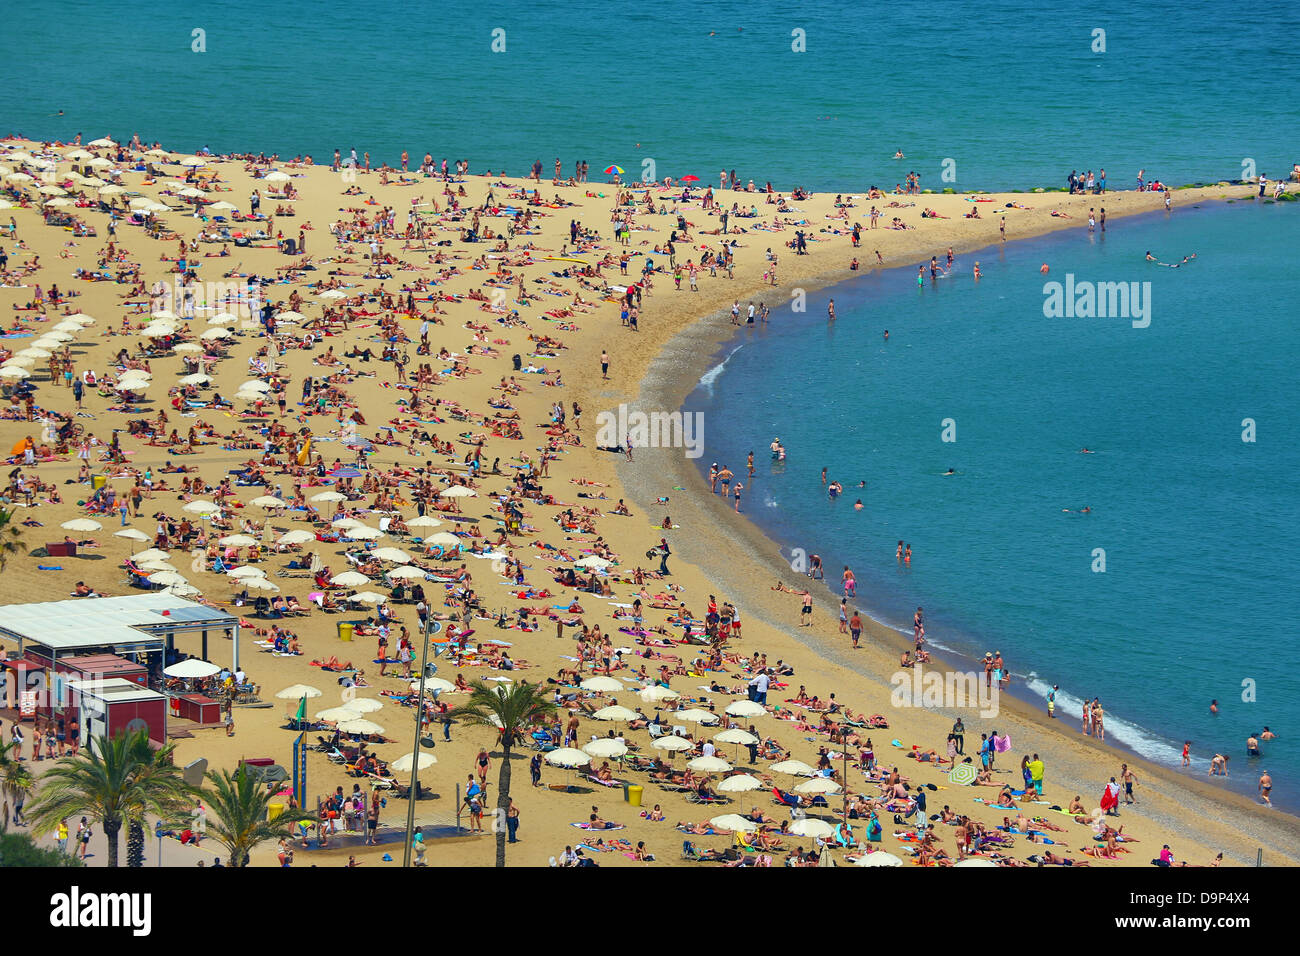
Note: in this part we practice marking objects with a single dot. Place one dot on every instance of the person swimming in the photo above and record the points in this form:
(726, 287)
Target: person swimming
(949, 472)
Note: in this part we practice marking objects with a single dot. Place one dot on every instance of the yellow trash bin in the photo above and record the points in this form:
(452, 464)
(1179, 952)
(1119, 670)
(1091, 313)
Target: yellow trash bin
(98, 481)
(345, 631)
(273, 811)
(634, 792)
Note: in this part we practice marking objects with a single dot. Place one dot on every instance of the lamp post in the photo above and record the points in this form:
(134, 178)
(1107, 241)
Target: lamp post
(415, 756)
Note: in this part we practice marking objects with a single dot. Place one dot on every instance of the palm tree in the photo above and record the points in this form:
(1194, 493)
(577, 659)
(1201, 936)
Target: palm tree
(11, 537)
(239, 804)
(116, 782)
(15, 778)
(511, 710)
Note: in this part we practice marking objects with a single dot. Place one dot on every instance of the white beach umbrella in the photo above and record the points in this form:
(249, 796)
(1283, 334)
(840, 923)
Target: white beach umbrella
(740, 783)
(818, 785)
(796, 768)
(332, 294)
(605, 747)
(213, 334)
(297, 692)
(350, 579)
(223, 318)
(973, 861)
(260, 584)
(444, 539)
(360, 725)
(695, 715)
(238, 541)
(198, 378)
(367, 597)
(152, 554)
(656, 692)
(166, 577)
(736, 736)
(247, 571)
(343, 524)
(458, 491)
(403, 763)
(200, 506)
(434, 685)
(336, 714)
(878, 858)
(188, 347)
(615, 712)
(131, 534)
(567, 757)
(156, 564)
(735, 823)
(112, 190)
(180, 590)
(424, 521)
(191, 160)
(296, 537)
(363, 533)
(192, 668)
(364, 705)
(396, 555)
(81, 524)
(267, 501)
(255, 385)
(57, 202)
(223, 206)
(329, 496)
(102, 143)
(671, 742)
(602, 684)
(407, 573)
(746, 708)
(812, 827)
(709, 765)
(592, 561)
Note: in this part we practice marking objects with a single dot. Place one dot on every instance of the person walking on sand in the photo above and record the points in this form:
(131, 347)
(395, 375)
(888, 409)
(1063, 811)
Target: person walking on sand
(1128, 778)
(855, 627)
(604, 365)
(1265, 788)
(805, 614)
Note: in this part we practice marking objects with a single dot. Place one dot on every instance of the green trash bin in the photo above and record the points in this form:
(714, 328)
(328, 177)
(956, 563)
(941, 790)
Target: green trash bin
(634, 792)
(345, 631)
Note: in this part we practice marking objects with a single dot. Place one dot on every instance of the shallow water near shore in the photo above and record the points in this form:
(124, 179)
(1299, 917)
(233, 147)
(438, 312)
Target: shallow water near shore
(1199, 528)
(987, 94)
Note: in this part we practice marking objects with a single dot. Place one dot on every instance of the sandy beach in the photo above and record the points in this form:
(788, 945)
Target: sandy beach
(564, 257)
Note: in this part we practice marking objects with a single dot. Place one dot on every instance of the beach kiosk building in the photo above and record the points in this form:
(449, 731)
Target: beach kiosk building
(56, 638)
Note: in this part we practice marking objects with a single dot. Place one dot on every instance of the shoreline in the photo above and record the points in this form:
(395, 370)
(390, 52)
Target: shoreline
(964, 658)
(695, 350)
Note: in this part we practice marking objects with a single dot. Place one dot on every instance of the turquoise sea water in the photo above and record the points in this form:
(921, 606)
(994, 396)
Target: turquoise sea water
(1012, 93)
(1200, 529)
